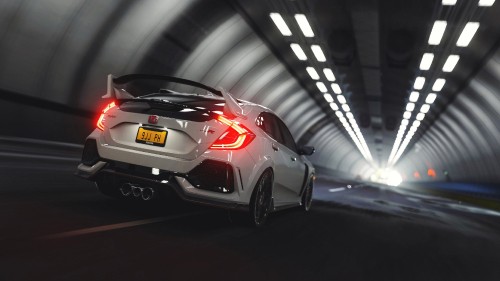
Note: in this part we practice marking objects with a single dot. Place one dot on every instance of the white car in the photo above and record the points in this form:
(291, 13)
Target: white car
(209, 148)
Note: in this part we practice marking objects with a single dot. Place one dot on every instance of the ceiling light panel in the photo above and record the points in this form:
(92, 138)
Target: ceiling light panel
(346, 108)
(328, 97)
(304, 25)
(298, 51)
(334, 106)
(318, 53)
(280, 24)
(329, 74)
(425, 108)
(426, 62)
(419, 83)
(437, 32)
(321, 87)
(449, 2)
(336, 88)
(467, 34)
(438, 85)
(341, 99)
(410, 106)
(420, 116)
(486, 3)
(430, 98)
(312, 72)
(414, 96)
(450, 63)
(407, 115)
(339, 113)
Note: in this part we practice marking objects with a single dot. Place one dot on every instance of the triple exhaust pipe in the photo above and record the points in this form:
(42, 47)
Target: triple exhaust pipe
(146, 193)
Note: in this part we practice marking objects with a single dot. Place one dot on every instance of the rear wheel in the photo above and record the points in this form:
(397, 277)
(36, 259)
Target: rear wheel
(260, 204)
(307, 196)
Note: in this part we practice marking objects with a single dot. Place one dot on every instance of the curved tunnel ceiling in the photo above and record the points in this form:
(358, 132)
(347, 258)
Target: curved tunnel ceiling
(74, 45)
(60, 52)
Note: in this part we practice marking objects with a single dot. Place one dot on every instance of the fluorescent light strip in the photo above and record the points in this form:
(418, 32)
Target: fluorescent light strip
(425, 108)
(420, 116)
(341, 99)
(298, 51)
(312, 72)
(329, 74)
(467, 34)
(486, 3)
(328, 97)
(336, 88)
(318, 53)
(321, 87)
(414, 96)
(438, 85)
(426, 62)
(450, 63)
(304, 25)
(280, 24)
(430, 98)
(334, 106)
(419, 83)
(410, 106)
(437, 32)
(407, 115)
(449, 2)
(346, 108)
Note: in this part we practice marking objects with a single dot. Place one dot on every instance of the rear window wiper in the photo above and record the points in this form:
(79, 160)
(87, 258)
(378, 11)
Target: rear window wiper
(166, 102)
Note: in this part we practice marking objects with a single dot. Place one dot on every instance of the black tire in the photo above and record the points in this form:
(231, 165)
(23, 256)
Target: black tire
(307, 196)
(261, 202)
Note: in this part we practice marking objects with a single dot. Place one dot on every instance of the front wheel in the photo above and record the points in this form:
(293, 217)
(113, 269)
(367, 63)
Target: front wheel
(307, 196)
(260, 204)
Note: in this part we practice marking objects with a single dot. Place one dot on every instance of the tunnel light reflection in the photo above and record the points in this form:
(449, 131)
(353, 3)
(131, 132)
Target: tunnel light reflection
(280, 24)
(387, 176)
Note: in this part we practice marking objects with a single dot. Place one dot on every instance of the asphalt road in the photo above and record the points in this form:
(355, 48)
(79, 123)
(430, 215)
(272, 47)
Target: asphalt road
(54, 226)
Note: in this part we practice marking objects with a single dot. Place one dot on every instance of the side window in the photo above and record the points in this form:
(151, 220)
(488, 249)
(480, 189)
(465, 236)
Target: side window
(287, 136)
(269, 124)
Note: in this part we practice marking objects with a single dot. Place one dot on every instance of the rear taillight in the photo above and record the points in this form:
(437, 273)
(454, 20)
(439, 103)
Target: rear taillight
(236, 136)
(100, 121)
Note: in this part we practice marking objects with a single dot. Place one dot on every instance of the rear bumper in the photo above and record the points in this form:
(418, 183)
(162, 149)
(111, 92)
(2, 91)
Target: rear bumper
(164, 180)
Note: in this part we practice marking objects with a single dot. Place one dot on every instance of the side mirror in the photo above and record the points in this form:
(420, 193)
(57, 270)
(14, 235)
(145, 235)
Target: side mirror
(306, 150)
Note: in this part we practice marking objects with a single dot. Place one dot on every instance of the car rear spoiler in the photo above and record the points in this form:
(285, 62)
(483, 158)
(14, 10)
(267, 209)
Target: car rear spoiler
(231, 107)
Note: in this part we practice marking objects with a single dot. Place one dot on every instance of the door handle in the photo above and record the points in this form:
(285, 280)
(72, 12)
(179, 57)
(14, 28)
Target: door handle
(275, 148)
(294, 159)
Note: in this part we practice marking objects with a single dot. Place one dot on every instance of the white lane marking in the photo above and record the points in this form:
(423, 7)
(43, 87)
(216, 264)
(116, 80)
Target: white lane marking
(336, 189)
(115, 226)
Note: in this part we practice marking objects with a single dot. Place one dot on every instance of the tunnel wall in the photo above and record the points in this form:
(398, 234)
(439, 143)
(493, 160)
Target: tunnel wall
(55, 56)
(465, 139)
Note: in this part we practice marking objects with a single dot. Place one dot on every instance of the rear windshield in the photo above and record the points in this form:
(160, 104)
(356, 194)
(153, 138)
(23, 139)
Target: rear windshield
(211, 103)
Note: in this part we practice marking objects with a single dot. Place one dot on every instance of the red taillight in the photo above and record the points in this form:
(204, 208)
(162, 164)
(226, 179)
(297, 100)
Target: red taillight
(236, 136)
(100, 124)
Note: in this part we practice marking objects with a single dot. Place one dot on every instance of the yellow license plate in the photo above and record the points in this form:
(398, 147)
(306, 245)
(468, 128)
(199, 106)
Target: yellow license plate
(151, 136)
